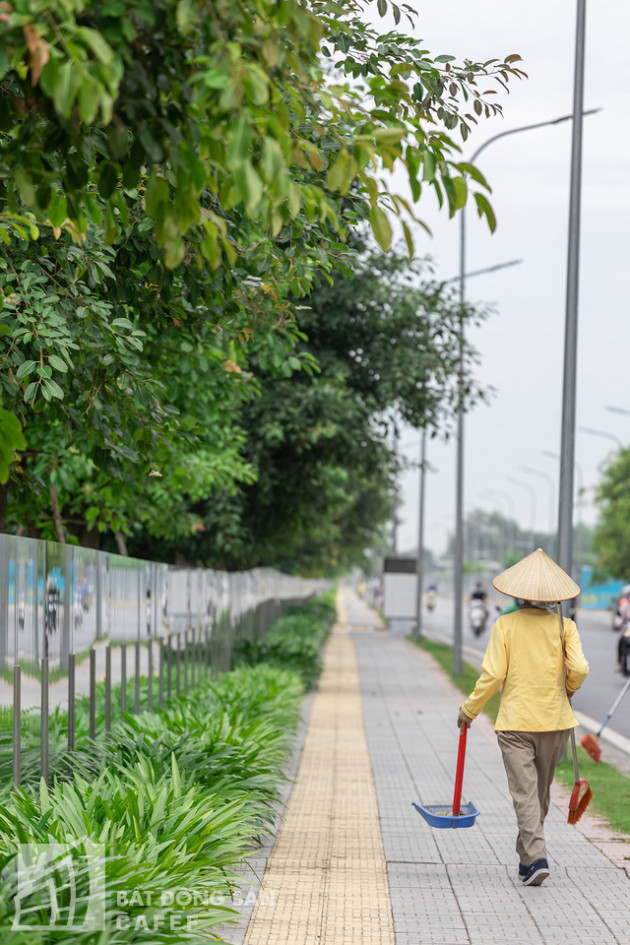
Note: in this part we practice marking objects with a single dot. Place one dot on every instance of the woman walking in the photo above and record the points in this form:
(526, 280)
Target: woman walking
(538, 671)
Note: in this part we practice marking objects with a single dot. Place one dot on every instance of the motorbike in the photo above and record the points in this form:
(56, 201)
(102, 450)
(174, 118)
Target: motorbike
(477, 615)
(431, 599)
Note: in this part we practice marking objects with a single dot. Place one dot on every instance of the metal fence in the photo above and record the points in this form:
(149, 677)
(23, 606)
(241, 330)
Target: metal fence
(77, 623)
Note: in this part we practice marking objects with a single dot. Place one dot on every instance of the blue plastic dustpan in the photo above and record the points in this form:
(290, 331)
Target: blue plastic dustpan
(441, 815)
(456, 814)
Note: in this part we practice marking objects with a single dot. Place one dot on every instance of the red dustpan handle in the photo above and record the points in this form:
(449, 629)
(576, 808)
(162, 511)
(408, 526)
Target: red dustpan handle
(459, 774)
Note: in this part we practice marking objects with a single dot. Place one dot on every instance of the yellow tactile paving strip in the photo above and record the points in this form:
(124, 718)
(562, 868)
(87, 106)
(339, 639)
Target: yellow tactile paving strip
(326, 879)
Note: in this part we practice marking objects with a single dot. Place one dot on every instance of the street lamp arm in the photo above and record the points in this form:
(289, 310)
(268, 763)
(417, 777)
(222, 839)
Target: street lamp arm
(538, 124)
(482, 272)
(608, 436)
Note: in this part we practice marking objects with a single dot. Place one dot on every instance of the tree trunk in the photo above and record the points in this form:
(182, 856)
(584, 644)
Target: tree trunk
(122, 544)
(61, 537)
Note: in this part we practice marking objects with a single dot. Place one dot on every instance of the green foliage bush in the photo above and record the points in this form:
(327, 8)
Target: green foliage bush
(294, 641)
(176, 797)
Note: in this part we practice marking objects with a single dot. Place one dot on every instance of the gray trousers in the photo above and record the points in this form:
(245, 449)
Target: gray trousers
(530, 759)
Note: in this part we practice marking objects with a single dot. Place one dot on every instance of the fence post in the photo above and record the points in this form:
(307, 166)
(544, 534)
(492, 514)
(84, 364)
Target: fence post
(92, 693)
(108, 688)
(161, 673)
(137, 685)
(123, 677)
(44, 720)
(186, 660)
(17, 724)
(71, 700)
(169, 666)
(179, 654)
(150, 675)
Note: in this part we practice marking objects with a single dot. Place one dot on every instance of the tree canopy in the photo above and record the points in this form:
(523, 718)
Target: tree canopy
(175, 175)
(611, 541)
(386, 341)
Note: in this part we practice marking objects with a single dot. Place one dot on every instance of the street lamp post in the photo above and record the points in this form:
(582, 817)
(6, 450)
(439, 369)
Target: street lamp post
(580, 492)
(567, 438)
(510, 504)
(580, 477)
(532, 492)
(459, 492)
(420, 558)
(503, 536)
(552, 496)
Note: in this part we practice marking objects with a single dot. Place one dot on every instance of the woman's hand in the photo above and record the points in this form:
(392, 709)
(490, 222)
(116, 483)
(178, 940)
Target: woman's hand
(463, 719)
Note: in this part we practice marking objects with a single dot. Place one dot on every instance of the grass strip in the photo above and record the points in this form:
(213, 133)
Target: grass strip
(611, 788)
(443, 654)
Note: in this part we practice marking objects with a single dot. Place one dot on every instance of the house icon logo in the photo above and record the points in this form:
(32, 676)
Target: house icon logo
(60, 886)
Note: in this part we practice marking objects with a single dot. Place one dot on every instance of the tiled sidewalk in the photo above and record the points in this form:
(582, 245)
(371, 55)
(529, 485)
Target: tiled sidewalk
(354, 864)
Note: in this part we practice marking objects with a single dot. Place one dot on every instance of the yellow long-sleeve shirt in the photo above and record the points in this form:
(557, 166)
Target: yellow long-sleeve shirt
(525, 657)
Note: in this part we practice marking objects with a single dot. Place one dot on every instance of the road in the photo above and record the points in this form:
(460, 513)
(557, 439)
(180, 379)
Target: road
(599, 642)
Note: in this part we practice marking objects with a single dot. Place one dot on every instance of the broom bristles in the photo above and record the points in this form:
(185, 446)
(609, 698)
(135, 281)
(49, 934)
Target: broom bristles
(590, 744)
(584, 799)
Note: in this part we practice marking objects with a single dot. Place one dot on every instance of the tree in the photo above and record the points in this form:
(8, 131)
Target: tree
(171, 175)
(611, 541)
(387, 338)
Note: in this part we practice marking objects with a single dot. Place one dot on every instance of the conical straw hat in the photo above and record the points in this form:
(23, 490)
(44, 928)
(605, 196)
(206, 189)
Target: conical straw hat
(537, 577)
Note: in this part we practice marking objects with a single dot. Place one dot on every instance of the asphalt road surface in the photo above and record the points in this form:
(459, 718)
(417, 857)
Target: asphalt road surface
(599, 642)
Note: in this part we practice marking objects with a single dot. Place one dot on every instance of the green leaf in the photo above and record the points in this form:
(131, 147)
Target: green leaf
(151, 145)
(239, 143)
(381, 227)
(107, 180)
(474, 172)
(29, 393)
(53, 388)
(26, 368)
(461, 192)
(5, 61)
(337, 173)
(43, 195)
(25, 187)
(389, 135)
(408, 239)
(156, 195)
(248, 184)
(89, 100)
(485, 210)
(58, 210)
(186, 16)
(56, 362)
(428, 165)
(97, 43)
(64, 94)
(174, 252)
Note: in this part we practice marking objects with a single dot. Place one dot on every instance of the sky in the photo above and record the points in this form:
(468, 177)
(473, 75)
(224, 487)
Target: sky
(522, 344)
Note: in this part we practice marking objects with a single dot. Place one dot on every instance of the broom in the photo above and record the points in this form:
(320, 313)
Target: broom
(590, 743)
(581, 795)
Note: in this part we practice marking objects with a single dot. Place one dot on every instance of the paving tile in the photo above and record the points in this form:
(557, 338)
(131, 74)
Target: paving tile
(354, 864)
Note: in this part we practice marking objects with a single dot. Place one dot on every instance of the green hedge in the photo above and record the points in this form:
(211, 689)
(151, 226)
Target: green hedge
(294, 641)
(174, 798)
